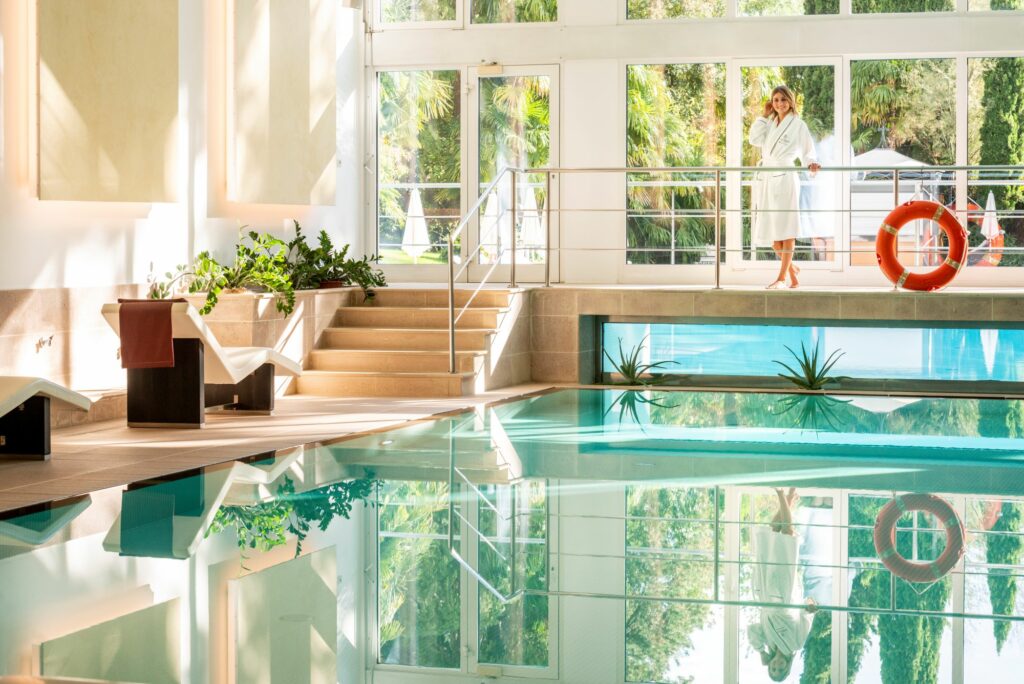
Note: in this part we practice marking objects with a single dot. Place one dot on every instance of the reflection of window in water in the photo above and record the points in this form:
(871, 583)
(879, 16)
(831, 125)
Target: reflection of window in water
(818, 197)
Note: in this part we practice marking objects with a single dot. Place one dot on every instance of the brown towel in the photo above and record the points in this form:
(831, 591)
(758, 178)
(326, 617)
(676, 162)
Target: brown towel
(146, 338)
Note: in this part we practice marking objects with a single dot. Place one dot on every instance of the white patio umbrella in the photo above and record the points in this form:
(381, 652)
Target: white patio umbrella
(990, 224)
(415, 239)
(532, 234)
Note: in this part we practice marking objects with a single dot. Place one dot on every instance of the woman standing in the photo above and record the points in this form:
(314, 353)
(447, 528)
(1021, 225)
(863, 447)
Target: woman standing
(783, 138)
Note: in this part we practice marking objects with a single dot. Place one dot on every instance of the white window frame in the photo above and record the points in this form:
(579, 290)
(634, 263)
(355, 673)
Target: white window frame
(409, 272)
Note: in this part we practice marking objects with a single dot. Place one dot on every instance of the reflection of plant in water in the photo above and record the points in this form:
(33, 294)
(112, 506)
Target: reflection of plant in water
(632, 370)
(265, 525)
(629, 402)
(815, 411)
(1004, 549)
(813, 373)
(818, 650)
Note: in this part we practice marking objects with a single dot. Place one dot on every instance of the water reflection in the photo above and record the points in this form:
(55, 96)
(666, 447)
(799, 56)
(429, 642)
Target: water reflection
(601, 535)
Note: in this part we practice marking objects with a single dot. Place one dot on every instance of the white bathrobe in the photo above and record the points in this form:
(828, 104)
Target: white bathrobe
(778, 192)
(775, 582)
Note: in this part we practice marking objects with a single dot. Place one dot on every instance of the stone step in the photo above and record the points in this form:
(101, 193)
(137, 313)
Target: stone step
(377, 384)
(412, 339)
(392, 360)
(414, 317)
(438, 297)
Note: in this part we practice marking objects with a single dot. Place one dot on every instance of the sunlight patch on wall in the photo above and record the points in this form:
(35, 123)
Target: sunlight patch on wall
(108, 100)
(282, 119)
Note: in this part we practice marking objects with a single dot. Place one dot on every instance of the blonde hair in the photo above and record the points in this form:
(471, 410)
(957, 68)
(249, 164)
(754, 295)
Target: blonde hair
(786, 93)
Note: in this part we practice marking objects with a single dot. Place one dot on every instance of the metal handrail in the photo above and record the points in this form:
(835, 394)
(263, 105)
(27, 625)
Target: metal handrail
(718, 213)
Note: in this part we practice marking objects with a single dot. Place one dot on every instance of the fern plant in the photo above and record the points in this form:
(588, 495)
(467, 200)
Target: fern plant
(813, 372)
(632, 370)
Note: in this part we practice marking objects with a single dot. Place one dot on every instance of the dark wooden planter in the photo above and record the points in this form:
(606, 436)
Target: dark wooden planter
(328, 284)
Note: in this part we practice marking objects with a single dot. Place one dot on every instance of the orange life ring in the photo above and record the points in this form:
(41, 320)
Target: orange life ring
(885, 246)
(885, 537)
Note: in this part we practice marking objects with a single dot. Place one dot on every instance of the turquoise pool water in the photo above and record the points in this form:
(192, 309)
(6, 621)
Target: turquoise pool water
(884, 353)
(578, 536)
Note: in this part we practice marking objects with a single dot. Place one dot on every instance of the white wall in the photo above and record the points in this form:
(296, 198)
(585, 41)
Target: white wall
(82, 244)
(592, 44)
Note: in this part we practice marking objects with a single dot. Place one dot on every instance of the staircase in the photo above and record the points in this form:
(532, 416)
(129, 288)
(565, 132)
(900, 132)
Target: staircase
(398, 346)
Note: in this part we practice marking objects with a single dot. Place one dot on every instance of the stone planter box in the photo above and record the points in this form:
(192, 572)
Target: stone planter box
(251, 319)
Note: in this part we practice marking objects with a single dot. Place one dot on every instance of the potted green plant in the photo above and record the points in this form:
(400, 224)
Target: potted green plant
(325, 266)
(260, 264)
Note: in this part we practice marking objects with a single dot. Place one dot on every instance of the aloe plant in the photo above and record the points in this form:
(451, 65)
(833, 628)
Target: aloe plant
(632, 370)
(813, 373)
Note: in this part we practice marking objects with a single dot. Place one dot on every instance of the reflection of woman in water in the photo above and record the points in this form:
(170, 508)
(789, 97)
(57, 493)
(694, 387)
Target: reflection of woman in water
(780, 632)
(783, 138)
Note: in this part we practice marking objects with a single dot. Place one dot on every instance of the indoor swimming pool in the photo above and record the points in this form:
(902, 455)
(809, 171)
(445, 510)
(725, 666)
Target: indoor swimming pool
(583, 536)
(892, 353)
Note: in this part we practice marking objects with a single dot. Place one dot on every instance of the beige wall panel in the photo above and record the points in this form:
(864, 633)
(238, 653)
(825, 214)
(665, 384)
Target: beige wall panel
(286, 621)
(108, 99)
(282, 121)
(144, 646)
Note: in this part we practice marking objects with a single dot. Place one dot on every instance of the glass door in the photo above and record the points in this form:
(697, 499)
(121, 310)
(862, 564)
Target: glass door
(817, 216)
(513, 123)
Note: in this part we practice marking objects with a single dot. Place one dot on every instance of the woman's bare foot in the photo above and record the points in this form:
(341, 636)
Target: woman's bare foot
(794, 271)
(777, 285)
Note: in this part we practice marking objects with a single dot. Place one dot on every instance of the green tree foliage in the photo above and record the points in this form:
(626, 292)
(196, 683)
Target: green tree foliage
(419, 141)
(1004, 549)
(658, 631)
(895, 6)
(817, 655)
(674, 9)
(510, 11)
(515, 633)
(676, 117)
(399, 11)
(418, 599)
(1002, 132)
(913, 101)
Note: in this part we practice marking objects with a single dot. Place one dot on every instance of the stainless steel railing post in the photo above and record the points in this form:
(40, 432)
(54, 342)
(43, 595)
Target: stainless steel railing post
(718, 229)
(515, 198)
(451, 304)
(896, 203)
(547, 231)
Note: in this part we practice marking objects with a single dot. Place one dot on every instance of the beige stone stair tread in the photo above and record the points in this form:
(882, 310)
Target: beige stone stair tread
(403, 374)
(498, 309)
(431, 352)
(409, 330)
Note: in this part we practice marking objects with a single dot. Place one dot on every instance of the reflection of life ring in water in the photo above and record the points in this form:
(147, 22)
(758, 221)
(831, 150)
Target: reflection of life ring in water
(885, 537)
(994, 254)
(885, 246)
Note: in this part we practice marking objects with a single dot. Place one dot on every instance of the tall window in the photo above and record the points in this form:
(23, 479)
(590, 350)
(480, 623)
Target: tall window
(670, 554)
(515, 633)
(895, 6)
(674, 9)
(814, 88)
(419, 152)
(780, 8)
(996, 136)
(407, 11)
(514, 11)
(675, 117)
(419, 605)
(903, 113)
